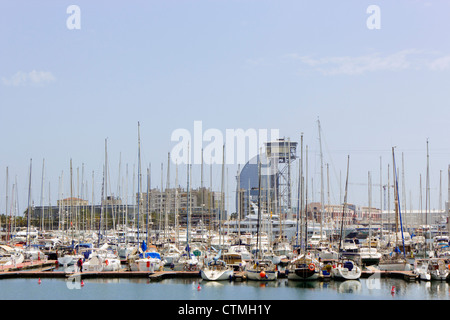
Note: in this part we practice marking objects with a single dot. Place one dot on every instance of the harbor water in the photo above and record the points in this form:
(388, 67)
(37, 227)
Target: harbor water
(196, 289)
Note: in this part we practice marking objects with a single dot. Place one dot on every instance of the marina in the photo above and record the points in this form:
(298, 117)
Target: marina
(180, 238)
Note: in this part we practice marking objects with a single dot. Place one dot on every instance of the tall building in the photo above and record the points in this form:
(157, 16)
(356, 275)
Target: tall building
(275, 166)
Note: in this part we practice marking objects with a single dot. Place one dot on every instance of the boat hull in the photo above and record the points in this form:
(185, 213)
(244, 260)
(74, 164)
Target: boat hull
(216, 275)
(303, 274)
(256, 275)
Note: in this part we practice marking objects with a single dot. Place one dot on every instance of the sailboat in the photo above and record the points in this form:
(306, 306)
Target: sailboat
(304, 267)
(259, 269)
(346, 269)
(148, 259)
(393, 261)
(217, 269)
(438, 269)
(369, 255)
(421, 269)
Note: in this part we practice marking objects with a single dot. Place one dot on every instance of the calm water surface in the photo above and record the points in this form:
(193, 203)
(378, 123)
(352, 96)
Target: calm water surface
(187, 289)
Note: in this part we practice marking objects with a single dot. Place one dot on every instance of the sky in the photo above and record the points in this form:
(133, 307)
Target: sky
(72, 82)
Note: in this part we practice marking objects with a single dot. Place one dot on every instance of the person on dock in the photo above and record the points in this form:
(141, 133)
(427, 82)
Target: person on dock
(80, 265)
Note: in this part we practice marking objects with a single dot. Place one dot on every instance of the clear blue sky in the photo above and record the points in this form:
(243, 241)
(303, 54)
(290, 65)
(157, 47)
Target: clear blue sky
(230, 64)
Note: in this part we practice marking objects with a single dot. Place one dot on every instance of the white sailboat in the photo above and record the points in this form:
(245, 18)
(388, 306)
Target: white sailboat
(421, 269)
(438, 269)
(258, 269)
(346, 270)
(369, 256)
(216, 270)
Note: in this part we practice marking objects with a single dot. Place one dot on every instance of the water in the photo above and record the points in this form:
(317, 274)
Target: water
(187, 289)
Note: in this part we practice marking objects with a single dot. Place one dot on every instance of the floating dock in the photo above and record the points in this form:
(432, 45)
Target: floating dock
(50, 269)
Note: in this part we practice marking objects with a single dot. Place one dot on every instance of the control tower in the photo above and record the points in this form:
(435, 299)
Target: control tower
(280, 154)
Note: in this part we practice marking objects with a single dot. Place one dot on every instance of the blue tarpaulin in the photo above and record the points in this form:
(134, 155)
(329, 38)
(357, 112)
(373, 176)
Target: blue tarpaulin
(153, 255)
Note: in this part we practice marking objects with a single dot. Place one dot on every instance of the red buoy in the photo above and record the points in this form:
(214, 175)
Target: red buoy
(39, 281)
(262, 274)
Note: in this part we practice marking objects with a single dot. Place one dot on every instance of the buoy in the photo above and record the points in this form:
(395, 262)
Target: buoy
(198, 287)
(393, 290)
(39, 281)
(262, 274)
(82, 283)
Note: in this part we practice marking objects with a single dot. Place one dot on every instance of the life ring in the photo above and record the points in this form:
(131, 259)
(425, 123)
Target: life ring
(311, 267)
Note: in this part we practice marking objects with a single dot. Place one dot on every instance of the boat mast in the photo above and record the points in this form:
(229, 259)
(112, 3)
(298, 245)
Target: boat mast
(42, 196)
(321, 181)
(167, 208)
(344, 205)
(427, 195)
(148, 200)
(448, 202)
(222, 196)
(29, 206)
(306, 199)
(397, 204)
(238, 209)
(259, 208)
(187, 207)
(300, 189)
(370, 208)
(139, 182)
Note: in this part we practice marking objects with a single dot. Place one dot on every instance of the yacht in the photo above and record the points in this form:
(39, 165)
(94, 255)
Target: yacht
(369, 256)
(304, 267)
(216, 270)
(250, 222)
(346, 270)
(261, 270)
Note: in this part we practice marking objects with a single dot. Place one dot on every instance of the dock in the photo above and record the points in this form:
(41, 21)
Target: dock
(50, 269)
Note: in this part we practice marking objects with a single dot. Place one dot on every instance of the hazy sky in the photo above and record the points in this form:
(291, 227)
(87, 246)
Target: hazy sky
(250, 64)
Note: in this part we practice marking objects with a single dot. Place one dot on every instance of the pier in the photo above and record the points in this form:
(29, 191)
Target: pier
(49, 269)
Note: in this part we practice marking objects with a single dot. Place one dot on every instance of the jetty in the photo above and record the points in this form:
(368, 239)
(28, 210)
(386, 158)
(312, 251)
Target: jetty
(50, 269)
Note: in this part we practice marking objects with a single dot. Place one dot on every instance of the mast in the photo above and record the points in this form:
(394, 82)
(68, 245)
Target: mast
(397, 202)
(222, 196)
(344, 205)
(166, 220)
(177, 229)
(6, 204)
(427, 195)
(370, 208)
(259, 208)
(187, 206)
(139, 182)
(29, 207)
(448, 201)
(238, 209)
(306, 198)
(300, 189)
(148, 201)
(42, 195)
(71, 198)
(321, 181)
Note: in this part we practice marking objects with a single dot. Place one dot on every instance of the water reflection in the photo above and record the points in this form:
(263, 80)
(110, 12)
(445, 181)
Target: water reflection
(349, 286)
